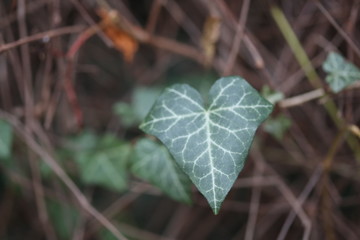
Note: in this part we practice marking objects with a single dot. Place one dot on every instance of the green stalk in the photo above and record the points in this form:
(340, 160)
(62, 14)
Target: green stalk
(311, 74)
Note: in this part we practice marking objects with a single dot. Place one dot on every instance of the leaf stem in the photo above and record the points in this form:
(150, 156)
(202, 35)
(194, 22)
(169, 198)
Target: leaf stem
(302, 98)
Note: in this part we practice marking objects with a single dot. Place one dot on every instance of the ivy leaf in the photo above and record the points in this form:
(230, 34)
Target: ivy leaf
(271, 95)
(6, 137)
(63, 217)
(105, 234)
(340, 72)
(126, 113)
(277, 126)
(153, 163)
(210, 143)
(141, 102)
(102, 160)
(143, 99)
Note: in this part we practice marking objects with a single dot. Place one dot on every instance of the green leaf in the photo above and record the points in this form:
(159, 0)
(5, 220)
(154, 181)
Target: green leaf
(340, 72)
(105, 234)
(277, 126)
(142, 100)
(210, 143)
(103, 161)
(86, 141)
(78, 145)
(153, 163)
(271, 95)
(6, 138)
(200, 81)
(63, 218)
(126, 113)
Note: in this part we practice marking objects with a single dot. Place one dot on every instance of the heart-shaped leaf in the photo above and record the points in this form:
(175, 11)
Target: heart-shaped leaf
(340, 72)
(209, 143)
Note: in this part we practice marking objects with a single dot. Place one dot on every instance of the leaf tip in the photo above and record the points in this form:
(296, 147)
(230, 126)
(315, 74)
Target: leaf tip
(215, 206)
(216, 211)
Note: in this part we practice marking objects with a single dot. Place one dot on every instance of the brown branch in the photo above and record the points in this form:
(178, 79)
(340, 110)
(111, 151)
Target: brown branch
(302, 98)
(117, 206)
(348, 39)
(238, 37)
(88, 19)
(182, 18)
(288, 195)
(39, 36)
(26, 62)
(154, 16)
(68, 79)
(230, 19)
(176, 47)
(302, 198)
(39, 197)
(29, 108)
(326, 207)
(254, 202)
(30, 8)
(164, 43)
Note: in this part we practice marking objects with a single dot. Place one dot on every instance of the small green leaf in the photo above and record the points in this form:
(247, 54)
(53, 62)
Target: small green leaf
(105, 234)
(86, 141)
(277, 126)
(143, 99)
(153, 163)
(126, 113)
(210, 143)
(340, 72)
(63, 218)
(271, 95)
(103, 161)
(6, 138)
(141, 102)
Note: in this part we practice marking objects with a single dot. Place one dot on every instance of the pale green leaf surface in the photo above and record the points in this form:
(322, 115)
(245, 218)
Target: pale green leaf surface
(152, 162)
(210, 143)
(6, 138)
(340, 73)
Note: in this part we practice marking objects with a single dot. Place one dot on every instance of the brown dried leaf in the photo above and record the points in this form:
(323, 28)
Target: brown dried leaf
(122, 41)
(211, 32)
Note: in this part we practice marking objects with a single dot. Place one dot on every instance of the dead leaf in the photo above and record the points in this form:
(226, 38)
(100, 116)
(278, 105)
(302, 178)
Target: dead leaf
(210, 36)
(122, 41)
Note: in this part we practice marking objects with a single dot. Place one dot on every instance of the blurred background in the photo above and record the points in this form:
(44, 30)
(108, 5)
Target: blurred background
(78, 76)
